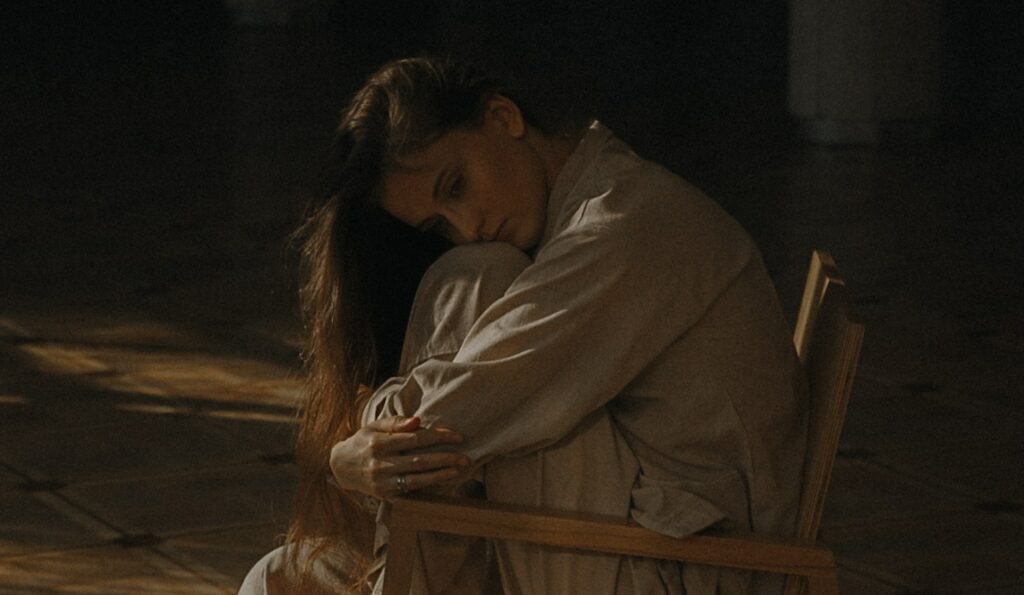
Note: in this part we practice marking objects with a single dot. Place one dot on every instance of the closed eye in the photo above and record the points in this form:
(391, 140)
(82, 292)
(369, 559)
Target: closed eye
(455, 190)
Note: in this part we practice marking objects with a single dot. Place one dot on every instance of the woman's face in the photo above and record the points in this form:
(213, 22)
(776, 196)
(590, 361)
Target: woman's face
(488, 184)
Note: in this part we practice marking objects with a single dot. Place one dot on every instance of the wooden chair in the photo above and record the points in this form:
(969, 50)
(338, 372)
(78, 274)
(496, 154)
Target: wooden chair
(822, 270)
(828, 341)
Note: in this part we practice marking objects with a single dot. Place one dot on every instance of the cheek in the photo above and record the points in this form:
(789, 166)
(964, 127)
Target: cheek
(527, 177)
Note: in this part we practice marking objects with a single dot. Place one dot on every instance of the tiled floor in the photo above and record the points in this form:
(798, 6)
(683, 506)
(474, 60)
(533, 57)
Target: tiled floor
(148, 352)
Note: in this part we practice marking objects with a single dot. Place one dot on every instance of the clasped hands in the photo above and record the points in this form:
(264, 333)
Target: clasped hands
(384, 459)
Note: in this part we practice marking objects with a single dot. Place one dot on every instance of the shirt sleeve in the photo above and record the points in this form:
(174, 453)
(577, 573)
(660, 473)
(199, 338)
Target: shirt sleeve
(639, 263)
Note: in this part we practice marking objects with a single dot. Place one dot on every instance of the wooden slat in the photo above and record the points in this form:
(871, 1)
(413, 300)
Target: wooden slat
(821, 269)
(609, 535)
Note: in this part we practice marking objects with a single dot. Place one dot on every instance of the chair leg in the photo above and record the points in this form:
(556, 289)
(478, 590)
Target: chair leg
(823, 585)
(398, 567)
(795, 585)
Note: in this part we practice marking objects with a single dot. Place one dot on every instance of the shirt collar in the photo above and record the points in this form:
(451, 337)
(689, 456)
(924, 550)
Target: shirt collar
(594, 138)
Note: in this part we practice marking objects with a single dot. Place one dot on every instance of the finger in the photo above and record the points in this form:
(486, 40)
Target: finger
(419, 481)
(422, 438)
(405, 424)
(427, 462)
(395, 423)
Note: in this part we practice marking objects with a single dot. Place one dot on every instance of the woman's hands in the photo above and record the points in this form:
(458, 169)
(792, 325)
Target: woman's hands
(371, 461)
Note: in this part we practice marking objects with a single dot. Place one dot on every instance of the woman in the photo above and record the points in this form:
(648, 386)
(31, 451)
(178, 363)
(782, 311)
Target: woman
(604, 338)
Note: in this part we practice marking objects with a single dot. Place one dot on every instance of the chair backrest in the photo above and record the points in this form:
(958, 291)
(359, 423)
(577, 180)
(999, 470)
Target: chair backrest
(823, 267)
(828, 341)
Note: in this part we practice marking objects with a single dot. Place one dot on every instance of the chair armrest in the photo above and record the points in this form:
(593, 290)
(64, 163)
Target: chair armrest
(479, 518)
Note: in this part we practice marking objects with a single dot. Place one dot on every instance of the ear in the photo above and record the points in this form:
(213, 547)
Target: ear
(503, 112)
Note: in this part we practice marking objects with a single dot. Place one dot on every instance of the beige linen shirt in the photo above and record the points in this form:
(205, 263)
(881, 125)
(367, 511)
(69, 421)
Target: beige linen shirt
(644, 297)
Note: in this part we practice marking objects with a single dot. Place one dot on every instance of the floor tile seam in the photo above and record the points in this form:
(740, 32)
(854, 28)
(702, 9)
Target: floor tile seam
(57, 551)
(173, 556)
(937, 516)
(184, 472)
(223, 529)
(169, 566)
(984, 410)
(971, 441)
(238, 461)
(228, 348)
(931, 443)
(12, 470)
(189, 411)
(892, 391)
(143, 528)
(876, 574)
(879, 462)
(197, 408)
(903, 390)
(89, 427)
(872, 447)
(244, 336)
(997, 584)
(219, 426)
(893, 520)
(54, 340)
(97, 525)
(922, 445)
(932, 481)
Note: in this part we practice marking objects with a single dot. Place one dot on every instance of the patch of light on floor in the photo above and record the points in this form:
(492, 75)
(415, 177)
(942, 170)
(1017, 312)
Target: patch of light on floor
(175, 373)
(252, 416)
(61, 359)
(157, 409)
(10, 328)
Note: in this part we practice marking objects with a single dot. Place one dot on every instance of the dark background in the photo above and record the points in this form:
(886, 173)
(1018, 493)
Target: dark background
(155, 156)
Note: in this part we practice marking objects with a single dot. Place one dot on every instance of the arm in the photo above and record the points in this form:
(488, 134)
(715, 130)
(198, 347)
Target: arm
(369, 461)
(638, 266)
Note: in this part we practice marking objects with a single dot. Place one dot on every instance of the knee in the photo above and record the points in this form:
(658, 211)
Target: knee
(490, 268)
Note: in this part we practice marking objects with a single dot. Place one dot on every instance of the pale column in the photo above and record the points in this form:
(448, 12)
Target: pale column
(263, 13)
(864, 70)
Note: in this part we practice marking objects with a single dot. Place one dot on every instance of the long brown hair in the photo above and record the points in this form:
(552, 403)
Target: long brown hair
(359, 269)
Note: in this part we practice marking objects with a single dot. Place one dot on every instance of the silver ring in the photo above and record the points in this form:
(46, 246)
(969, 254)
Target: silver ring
(400, 483)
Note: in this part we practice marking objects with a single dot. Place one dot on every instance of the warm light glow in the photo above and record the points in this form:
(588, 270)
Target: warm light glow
(13, 400)
(61, 359)
(253, 416)
(157, 409)
(156, 360)
(10, 328)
